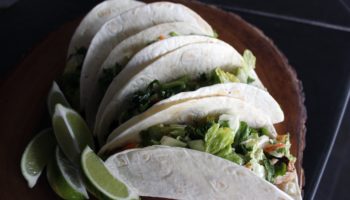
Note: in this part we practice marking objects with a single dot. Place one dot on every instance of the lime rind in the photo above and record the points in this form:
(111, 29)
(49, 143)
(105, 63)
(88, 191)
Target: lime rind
(64, 178)
(56, 96)
(37, 155)
(71, 132)
(100, 181)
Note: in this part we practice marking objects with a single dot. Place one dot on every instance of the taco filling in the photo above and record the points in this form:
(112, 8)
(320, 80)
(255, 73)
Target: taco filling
(156, 91)
(231, 139)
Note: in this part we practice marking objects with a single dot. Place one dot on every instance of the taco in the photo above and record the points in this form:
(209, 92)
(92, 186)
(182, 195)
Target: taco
(179, 173)
(222, 126)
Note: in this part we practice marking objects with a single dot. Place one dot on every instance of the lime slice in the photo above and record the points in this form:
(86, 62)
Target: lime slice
(100, 181)
(71, 132)
(56, 96)
(64, 178)
(37, 155)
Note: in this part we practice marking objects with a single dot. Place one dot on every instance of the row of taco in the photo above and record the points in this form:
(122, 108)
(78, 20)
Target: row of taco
(157, 75)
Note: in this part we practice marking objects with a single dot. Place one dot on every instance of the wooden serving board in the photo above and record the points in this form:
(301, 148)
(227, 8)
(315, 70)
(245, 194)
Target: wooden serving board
(23, 94)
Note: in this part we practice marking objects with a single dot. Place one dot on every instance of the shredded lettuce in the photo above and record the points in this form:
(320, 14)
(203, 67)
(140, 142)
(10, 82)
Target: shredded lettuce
(228, 153)
(270, 170)
(248, 64)
(224, 77)
(254, 154)
(226, 137)
(249, 60)
(242, 133)
(157, 91)
(196, 144)
(286, 149)
(218, 141)
(169, 141)
(257, 168)
(218, 138)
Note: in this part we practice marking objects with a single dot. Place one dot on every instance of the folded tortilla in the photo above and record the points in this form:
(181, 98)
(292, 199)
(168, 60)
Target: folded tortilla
(189, 112)
(252, 95)
(184, 112)
(178, 173)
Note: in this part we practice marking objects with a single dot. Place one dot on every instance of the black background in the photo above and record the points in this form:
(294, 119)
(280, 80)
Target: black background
(314, 35)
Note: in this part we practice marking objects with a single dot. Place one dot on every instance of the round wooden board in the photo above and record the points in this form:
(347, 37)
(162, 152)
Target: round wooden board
(23, 93)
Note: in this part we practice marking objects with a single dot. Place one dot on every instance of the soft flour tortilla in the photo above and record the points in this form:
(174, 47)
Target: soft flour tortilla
(127, 24)
(179, 173)
(93, 21)
(184, 112)
(254, 96)
(192, 60)
(125, 50)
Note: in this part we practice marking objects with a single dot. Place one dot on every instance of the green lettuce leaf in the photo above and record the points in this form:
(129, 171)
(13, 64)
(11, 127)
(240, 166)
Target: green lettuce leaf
(270, 170)
(249, 60)
(280, 169)
(224, 77)
(248, 64)
(242, 133)
(228, 153)
(218, 138)
(286, 149)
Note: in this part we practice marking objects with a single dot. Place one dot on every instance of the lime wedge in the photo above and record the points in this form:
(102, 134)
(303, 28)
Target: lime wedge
(100, 181)
(71, 132)
(64, 178)
(37, 155)
(56, 96)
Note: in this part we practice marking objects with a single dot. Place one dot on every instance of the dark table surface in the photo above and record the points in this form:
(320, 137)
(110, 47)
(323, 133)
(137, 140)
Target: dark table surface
(314, 35)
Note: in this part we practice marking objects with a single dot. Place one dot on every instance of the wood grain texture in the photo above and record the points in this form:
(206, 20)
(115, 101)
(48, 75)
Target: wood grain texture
(24, 90)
